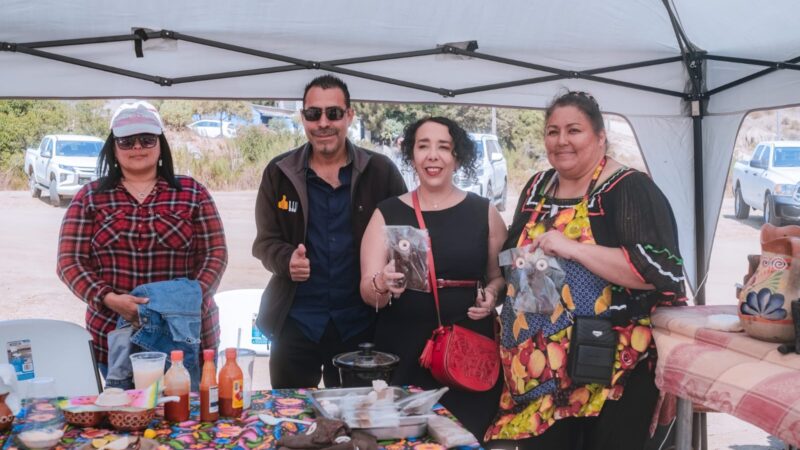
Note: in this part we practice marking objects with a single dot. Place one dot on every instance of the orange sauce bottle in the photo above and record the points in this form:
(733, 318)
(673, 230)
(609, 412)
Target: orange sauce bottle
(231, 384)
(177, 382)
(209, 391)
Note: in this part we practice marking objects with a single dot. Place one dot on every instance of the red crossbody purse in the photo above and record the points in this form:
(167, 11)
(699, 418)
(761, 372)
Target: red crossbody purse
(456, 356)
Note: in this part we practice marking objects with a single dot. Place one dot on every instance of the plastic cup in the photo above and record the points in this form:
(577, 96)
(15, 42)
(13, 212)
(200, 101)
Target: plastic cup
(148, 367)
(40, 387)
(245, 359)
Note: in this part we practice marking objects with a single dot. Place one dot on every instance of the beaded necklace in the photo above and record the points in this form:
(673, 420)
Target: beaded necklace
(575, 219)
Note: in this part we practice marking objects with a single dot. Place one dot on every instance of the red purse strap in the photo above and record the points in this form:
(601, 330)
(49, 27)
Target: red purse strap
(431, 267)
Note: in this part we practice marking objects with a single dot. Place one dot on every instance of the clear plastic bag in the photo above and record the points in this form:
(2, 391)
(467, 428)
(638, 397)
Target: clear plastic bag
(536, 279)
(420, 403)
(408, 247)
(448, 433)
(369, 411)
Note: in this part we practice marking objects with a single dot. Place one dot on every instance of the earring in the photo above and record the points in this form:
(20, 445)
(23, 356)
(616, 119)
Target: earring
(160, 162)
(116, 165)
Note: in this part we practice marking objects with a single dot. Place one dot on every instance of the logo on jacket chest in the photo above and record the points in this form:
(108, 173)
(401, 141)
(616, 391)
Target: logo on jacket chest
(287, 205)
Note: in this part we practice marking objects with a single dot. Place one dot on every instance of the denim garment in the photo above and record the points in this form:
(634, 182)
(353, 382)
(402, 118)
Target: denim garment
(169, 321)
(119, 373)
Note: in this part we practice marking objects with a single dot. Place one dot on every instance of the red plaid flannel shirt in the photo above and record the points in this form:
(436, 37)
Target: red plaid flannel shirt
(111, 243)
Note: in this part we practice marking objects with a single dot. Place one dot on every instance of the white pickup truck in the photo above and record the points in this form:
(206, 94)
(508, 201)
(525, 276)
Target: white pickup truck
(61, 165)
(769, 181)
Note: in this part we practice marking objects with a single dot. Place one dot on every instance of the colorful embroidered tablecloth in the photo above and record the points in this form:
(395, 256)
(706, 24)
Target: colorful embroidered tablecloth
(247, 433)
(727, 372)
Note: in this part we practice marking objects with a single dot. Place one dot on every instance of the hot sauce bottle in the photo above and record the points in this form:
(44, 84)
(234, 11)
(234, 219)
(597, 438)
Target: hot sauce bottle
(178, 383)
(209, 391)
(231, 383)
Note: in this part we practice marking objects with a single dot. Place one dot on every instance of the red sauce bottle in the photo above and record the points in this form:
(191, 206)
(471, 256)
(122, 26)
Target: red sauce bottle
(231, 385)
(209, 390)
(177, 382)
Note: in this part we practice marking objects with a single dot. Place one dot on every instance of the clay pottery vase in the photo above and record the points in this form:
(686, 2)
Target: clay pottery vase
(765, 300)
(6, 417)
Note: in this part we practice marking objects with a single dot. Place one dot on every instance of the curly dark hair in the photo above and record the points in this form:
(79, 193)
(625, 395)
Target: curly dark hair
(464, 149)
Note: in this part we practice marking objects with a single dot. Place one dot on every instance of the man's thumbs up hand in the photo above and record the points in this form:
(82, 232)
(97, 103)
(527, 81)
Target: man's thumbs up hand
(299, 265)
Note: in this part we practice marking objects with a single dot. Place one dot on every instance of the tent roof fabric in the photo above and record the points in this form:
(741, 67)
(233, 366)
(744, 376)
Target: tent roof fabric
(577, 36)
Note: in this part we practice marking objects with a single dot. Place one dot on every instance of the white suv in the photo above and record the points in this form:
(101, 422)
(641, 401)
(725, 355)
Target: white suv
(491, 171)
(211, 128)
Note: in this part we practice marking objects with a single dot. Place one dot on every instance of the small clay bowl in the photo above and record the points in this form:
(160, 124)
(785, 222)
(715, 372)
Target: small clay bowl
(84, 419)
(131, 420)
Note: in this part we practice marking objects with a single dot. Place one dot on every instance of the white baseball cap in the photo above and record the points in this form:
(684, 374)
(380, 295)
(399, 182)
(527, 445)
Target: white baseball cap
(135, 118)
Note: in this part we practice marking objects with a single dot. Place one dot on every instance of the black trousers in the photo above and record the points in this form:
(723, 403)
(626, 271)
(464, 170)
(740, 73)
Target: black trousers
(298, 362)
(622, 424)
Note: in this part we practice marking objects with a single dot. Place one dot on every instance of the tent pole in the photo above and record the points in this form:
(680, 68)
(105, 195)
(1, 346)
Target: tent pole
(699, 212)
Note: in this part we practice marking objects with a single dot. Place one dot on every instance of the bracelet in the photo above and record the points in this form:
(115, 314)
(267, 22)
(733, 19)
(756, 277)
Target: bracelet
(375, 285)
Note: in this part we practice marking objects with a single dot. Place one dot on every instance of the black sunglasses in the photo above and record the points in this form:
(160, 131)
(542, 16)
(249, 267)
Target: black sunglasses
(313, 114)
(146, 139)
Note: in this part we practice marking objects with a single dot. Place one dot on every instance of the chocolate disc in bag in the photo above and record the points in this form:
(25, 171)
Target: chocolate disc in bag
(404, 246)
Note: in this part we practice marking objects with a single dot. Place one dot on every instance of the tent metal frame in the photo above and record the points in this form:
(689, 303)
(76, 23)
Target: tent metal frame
(696, 94)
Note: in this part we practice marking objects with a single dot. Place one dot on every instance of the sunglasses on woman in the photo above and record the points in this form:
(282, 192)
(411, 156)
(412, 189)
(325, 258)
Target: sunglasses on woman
(147, 140)
(313, 114)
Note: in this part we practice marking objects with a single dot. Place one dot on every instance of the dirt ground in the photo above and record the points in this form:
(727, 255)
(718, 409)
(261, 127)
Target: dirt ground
(29, 287)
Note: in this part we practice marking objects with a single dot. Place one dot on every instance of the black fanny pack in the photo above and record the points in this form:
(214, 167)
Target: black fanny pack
(591, 351)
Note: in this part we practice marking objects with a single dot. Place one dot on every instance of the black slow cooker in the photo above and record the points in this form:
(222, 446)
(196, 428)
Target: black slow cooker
(360, 368)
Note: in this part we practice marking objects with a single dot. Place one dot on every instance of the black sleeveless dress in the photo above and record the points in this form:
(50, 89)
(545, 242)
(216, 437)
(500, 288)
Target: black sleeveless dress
(460, 240)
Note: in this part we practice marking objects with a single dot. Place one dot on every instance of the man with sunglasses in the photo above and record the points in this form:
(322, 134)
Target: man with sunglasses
(312, 208)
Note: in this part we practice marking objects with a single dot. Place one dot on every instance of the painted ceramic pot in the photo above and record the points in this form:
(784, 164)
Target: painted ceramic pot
(6, 417)
(765, 300)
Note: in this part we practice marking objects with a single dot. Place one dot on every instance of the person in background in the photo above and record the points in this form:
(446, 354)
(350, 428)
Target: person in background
(616, 233)
(466, 233)
(312, 207)
(139, 223)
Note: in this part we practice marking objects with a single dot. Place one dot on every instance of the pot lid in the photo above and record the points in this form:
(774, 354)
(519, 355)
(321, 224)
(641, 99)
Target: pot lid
(366, 358)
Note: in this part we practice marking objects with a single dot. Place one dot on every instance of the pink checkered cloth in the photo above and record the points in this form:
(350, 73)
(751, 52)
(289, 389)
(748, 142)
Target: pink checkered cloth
(727, 372)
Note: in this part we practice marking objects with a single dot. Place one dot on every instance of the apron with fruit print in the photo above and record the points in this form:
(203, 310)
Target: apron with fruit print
(533, 347)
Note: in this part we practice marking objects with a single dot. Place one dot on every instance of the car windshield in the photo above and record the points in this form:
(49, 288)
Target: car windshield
(478, 148)
(787, 157)
(78, 148)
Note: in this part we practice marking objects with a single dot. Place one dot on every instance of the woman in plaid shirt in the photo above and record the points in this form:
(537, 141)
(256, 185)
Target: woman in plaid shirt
(139, 223)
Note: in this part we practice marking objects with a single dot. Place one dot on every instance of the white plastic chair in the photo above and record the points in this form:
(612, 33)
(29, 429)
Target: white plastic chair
(58, 349)
(238, 310)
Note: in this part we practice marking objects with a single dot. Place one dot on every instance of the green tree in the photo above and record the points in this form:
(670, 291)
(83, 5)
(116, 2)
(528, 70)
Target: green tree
(90, 117)
(176, 113)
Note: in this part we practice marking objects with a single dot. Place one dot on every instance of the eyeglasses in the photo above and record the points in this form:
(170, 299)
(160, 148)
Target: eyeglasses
(147, 140)
(313, 114)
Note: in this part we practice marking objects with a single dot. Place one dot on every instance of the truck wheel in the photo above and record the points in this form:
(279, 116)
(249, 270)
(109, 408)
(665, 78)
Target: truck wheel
(55, 199)
(740, 208)
(769, 212)
(35, 191)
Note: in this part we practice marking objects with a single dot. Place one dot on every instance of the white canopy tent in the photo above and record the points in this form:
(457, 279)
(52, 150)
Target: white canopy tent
(647, 60)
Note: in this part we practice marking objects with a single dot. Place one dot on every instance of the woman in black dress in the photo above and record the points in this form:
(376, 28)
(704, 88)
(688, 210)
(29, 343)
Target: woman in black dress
(466, 234)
